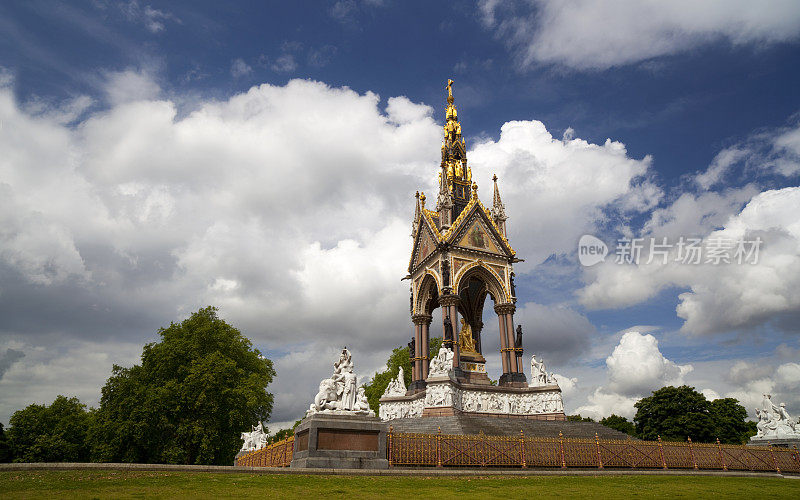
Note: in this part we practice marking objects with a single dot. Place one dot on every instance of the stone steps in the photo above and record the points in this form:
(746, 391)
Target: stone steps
(494, 426)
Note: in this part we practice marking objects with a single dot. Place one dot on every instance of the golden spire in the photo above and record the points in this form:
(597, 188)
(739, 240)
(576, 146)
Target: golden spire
(454, 153)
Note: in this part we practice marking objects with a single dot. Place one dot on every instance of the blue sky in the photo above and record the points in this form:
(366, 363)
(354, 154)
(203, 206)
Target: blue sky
(261, 156)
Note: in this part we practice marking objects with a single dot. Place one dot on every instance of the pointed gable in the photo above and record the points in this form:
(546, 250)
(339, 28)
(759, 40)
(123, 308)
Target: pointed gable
(425, 242)
(477, 237)
(475, 230)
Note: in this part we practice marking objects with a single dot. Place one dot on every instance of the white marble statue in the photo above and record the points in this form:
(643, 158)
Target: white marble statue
(539, 375)
(442, 363)
(774, 422)
(255, 439)
(397, 386)
(340, 393)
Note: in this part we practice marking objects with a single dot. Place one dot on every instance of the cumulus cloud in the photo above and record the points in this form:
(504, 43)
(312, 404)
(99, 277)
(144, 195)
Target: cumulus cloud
(635, 368)
(288, 207)
(593, 34)
(715, 297)
(750, 380)
(130, 85)
(571, 180)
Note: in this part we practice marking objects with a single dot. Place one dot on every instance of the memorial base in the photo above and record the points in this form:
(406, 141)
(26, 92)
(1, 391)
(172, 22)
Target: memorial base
(790, 443)
(340, 442)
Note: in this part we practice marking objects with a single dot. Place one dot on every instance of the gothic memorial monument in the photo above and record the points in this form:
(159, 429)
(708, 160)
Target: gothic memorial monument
(461, 256)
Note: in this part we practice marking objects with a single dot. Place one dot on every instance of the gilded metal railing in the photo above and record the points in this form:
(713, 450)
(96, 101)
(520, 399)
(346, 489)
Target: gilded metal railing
(452, 450)
(278, 454)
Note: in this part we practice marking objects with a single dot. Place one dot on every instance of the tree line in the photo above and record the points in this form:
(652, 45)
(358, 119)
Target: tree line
(186, 403)
(678, 413)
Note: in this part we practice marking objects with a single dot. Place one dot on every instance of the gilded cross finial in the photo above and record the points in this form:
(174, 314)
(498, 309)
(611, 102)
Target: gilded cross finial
(450, 90)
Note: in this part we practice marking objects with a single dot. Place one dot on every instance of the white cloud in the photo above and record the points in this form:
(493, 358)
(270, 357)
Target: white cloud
(130, 85)
(240, 68)
(788, 374)
(289, 207)
(635, 368)
(719, 167)
(595, 34)
(719, 297)
(270, 204)
(568, 385)
(284, 64)
(152, 19)
(602, 404)
(572, 181)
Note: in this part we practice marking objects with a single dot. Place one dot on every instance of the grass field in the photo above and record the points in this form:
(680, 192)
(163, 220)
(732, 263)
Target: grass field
(133, 484)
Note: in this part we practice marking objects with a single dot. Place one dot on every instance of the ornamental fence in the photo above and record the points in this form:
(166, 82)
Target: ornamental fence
(277, 454)
(453, 450)
(471, 451)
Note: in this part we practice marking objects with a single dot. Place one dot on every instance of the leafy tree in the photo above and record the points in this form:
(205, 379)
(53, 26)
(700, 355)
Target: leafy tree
(188, 401)
(619, 423)
(55, 433)
(5, 448)
(674, 413)
(578, 418)
(728, 418)
(399, 357)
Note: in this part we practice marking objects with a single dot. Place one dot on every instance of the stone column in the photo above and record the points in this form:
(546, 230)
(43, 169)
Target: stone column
(512, 355)
(503, 358)
(425, 361)
(449, 305)
(421, 322)
(415, 355)
(512, 375)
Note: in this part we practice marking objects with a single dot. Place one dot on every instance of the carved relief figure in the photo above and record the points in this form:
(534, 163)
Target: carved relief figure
(397, 386)
(339, 393)
(442, 363)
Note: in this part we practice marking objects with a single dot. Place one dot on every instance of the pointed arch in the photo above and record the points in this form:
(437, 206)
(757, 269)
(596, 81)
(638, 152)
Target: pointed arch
(428, 293)
(494, 283)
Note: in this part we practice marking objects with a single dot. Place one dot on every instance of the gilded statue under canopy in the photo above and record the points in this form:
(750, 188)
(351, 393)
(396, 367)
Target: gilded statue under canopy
(465, 341)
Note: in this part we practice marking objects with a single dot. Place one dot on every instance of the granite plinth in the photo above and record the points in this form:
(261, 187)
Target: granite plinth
(340, 442)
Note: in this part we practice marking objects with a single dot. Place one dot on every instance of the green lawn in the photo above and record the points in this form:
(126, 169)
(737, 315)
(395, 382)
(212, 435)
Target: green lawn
(122, 484)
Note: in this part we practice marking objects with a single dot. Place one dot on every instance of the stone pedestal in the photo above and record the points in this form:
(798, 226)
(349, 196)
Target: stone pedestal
(473, 369)
(340, 442)
(790, 443)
